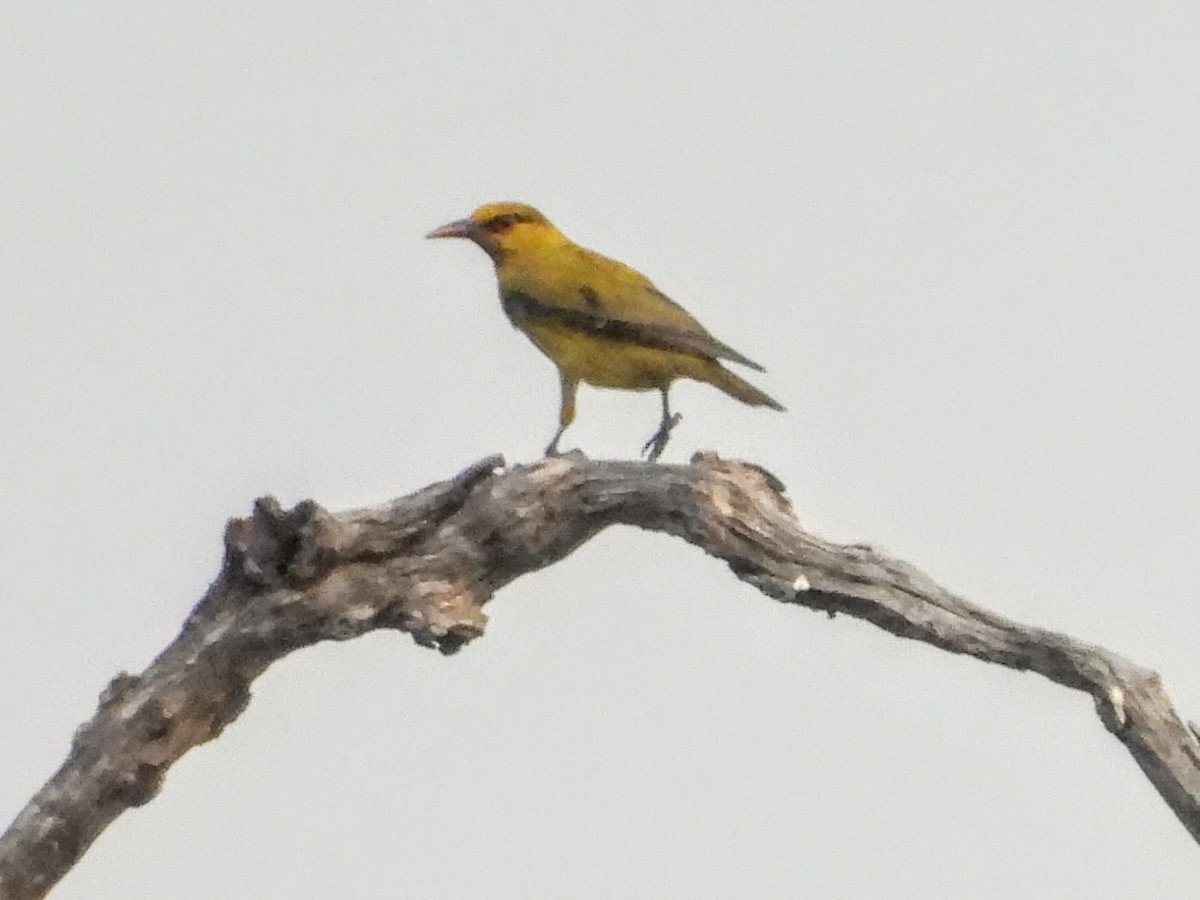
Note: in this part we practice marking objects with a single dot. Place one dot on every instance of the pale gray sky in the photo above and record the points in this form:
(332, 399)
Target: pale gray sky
(961, 237)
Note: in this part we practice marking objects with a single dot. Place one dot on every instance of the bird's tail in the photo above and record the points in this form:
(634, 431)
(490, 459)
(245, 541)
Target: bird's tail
(740, 389)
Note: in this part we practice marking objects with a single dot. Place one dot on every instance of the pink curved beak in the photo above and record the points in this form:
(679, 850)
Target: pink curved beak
(462, 228)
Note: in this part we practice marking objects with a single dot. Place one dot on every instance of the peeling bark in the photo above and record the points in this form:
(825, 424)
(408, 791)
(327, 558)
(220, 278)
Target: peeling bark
(427, 563)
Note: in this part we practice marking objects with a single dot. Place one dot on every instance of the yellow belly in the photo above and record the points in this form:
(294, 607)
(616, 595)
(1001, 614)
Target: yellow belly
(614, 364)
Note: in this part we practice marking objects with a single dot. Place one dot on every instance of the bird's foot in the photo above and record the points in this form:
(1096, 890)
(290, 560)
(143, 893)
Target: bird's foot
(552, 447)
(553, 452)
(658, 441)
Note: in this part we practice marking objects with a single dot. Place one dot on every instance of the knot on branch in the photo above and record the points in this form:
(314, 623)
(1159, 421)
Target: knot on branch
(762, 488)
(276, 548)
(118, 688)
(137, 785)
(159, 727)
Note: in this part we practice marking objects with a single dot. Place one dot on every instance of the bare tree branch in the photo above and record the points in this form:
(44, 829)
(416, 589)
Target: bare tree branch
(427, 563)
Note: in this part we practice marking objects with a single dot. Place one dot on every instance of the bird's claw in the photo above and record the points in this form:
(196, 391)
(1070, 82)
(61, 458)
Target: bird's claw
(658, 441)
(552, 447)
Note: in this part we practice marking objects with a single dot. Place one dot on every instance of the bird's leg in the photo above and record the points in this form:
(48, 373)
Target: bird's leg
(566, 412)
(658, 441)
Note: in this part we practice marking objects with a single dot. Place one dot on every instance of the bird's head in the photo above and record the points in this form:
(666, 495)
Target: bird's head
(503, 228)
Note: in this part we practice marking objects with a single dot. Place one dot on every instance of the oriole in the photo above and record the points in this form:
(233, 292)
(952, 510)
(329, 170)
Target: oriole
(598, 320)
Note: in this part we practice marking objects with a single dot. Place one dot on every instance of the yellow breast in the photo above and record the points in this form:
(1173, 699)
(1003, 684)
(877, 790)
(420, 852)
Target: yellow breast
(604, 362)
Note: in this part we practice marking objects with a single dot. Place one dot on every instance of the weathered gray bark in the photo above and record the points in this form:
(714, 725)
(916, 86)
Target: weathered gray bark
(427, 563)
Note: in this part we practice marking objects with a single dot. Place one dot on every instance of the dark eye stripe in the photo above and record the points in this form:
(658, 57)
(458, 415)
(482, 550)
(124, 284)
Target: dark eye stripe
(504, 221)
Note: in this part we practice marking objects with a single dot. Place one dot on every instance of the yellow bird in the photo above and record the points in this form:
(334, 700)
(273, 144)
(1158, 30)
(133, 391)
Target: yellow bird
(598, 320)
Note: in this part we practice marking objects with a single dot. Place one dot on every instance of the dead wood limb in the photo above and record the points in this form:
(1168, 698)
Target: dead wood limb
(427, 563)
